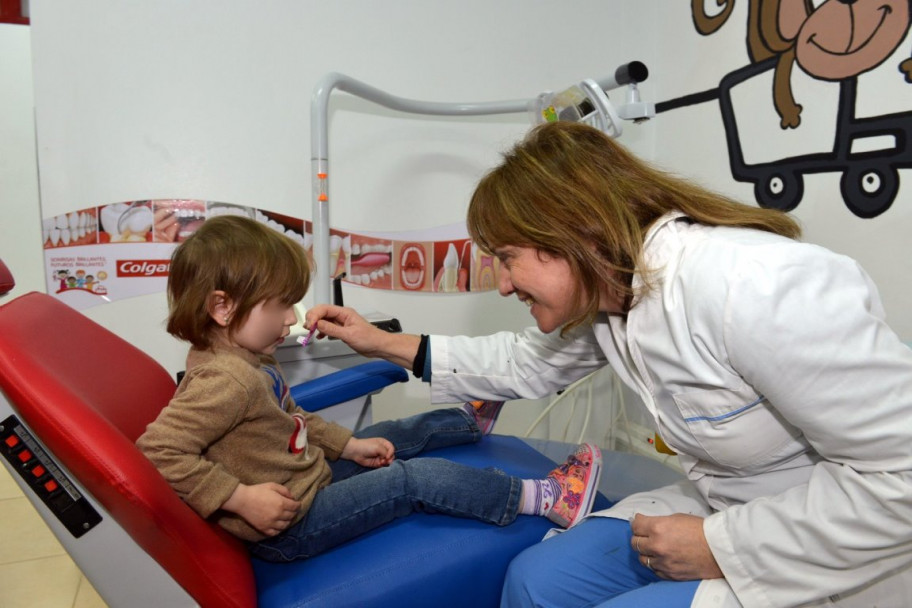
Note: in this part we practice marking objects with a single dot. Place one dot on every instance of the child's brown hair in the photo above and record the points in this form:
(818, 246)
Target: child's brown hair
(245, 259)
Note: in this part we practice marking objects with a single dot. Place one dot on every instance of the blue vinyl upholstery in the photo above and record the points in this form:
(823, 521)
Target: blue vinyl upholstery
(421, 560)
(346, 384)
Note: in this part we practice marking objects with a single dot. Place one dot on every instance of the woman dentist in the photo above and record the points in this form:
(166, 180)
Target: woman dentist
(765, 362)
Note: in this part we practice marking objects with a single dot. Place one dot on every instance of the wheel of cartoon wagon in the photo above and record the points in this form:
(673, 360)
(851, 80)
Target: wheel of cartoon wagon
(869, 190)
(780, 190)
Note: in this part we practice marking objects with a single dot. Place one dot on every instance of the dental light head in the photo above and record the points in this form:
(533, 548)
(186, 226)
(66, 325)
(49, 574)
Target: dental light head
(588, 101)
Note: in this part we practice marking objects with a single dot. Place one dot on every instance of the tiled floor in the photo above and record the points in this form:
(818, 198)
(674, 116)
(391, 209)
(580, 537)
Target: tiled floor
(35, 571)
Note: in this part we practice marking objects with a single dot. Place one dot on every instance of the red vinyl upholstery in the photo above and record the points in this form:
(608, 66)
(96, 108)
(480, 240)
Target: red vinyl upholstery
(88, 395)
(6, 279)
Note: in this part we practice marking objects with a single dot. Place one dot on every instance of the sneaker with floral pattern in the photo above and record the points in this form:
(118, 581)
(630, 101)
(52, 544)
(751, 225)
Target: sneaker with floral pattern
(578, 479)
(485, 413)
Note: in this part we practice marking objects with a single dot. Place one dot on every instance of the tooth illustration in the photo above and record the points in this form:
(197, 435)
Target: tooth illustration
(335, 245)
(230, 210)
(138, 220)
(109, 217)
(346, 249)
(450, 270)
(485, 273)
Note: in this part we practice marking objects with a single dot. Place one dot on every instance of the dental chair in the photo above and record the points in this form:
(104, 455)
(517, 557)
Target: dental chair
(74, 399)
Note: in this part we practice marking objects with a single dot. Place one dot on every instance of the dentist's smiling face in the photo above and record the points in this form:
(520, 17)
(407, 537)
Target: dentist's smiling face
(542, 282)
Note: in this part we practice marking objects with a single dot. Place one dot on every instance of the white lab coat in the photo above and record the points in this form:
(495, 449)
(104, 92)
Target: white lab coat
(768, 367)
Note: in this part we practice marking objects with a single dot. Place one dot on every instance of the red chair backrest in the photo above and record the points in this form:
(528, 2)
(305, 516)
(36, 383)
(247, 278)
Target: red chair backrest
(88, 395)
(6, 279)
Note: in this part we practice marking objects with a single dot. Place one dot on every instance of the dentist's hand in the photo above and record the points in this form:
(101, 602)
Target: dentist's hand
(363, 337)
(674, 547)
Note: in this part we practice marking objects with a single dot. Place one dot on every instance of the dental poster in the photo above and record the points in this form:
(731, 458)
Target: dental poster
(123, 250)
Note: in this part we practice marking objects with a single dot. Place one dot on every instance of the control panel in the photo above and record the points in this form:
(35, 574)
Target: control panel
(33, 464)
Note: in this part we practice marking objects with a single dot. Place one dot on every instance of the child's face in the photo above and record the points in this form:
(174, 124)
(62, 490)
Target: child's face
(266, 327)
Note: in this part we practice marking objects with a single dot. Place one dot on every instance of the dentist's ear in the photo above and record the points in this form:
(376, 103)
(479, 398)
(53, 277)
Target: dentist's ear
(220, 307)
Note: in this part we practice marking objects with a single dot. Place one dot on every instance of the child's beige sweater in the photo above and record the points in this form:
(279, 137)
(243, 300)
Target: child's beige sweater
(225, 426)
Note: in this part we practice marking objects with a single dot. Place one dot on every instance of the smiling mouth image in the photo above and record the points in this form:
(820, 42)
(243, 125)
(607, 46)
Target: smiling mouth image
(370, 263)
(885, 12)
(188, 215)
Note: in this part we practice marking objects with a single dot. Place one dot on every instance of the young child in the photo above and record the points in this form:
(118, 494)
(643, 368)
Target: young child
(237, 449)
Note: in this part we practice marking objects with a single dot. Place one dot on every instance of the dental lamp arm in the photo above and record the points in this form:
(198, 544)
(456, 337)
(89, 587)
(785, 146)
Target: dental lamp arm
(319, 146)
(627, 74)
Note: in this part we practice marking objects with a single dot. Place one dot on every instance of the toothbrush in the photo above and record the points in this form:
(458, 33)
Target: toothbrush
(305, 340)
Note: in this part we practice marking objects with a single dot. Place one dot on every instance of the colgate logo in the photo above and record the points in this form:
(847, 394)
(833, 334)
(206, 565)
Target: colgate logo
(143, 268)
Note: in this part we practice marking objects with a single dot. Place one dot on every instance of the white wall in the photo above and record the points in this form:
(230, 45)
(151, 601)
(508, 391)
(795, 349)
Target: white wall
(211, 100)
(20, 226)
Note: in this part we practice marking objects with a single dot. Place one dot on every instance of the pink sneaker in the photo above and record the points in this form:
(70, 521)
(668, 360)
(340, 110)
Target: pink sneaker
(578, 479)
(485, 413)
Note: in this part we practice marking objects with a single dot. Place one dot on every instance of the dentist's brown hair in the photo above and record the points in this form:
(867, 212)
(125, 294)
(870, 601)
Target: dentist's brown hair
(569, 190)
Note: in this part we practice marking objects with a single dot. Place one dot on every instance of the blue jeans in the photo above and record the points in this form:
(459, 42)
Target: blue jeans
(360, 499)
(590, 565)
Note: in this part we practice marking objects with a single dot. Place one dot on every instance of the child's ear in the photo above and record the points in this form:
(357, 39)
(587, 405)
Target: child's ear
(220, 307)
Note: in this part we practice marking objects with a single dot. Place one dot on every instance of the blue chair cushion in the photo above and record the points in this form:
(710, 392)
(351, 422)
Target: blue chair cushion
(346, 384)
(423, 559)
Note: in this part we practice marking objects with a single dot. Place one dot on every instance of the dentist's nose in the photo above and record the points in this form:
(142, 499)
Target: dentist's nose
(504, 282)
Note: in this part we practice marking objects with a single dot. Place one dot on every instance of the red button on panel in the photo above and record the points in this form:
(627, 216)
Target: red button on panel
(12, 441)
(39, 471)
(25, 455)
(50, 485)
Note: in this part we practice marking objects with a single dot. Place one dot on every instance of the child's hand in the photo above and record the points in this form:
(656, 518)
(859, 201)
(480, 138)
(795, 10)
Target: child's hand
(372, 452)
(268, 507)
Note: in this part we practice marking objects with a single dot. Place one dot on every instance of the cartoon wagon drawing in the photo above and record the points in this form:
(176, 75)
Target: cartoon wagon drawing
(869, 179)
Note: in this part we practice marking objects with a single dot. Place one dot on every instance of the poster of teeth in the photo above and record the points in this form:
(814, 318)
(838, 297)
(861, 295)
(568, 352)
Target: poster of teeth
(123, 250)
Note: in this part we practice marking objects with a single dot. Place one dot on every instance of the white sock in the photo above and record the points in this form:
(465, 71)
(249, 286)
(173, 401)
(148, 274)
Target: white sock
(538, 496)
